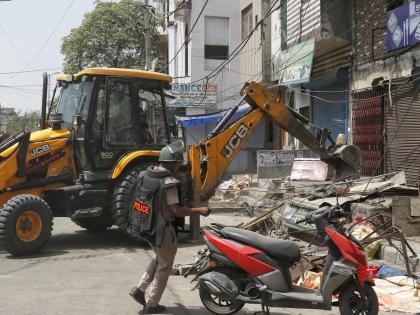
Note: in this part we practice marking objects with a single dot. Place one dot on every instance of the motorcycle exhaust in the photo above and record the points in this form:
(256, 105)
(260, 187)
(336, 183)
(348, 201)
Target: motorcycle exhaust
(220, 285)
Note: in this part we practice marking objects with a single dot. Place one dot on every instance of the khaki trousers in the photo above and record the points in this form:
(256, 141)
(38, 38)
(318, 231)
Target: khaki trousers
(157, 272)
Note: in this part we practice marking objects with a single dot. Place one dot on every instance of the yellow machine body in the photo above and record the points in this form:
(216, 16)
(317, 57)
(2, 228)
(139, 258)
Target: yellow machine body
(84, 161)
(42, 145)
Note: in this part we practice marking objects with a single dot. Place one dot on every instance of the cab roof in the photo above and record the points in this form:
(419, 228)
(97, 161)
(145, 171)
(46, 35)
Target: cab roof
(119, 72)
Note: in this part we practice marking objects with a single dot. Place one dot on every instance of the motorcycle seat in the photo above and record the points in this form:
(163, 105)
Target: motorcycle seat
(285, 251)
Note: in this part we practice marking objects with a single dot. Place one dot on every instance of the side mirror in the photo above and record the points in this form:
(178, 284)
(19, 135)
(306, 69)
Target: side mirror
(77, 122)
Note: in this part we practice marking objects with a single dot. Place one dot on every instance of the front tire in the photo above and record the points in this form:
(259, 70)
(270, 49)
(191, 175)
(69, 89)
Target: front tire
(25, 224)
(217, 305)
(123, 199)
(350, 302)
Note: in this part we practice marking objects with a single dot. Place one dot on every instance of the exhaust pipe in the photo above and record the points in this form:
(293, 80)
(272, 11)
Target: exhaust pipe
(43, 123)
(220, 285)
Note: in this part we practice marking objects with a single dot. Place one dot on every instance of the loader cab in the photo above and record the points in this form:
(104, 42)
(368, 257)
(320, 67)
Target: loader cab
(112, 112)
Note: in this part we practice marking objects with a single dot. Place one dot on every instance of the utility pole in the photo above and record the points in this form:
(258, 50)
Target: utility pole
(147, 36)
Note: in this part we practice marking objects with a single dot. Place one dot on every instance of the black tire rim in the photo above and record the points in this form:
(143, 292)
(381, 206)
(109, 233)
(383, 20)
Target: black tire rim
(357, 305)
(220, 302)
(218, 305)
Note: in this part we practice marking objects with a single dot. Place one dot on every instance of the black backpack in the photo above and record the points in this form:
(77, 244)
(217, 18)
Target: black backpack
(144, 215)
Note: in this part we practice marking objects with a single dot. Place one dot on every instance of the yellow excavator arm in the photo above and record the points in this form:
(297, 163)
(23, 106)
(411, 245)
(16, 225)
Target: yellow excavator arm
(210, 158)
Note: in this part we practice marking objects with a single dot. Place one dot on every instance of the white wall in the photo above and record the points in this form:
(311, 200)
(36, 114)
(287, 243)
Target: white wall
(228, 81)
(229, 76)
(251, 55)
(393, 68)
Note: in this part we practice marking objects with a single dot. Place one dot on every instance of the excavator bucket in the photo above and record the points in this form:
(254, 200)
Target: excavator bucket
(344, 162)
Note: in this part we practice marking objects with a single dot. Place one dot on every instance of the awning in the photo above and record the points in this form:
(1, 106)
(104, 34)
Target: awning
(189, 121)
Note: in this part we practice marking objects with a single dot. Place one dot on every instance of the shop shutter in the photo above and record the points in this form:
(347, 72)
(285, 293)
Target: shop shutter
(368, 124)
(403, 130)
(329, 110)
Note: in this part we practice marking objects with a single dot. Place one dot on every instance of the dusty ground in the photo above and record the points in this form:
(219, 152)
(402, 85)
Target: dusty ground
(83, 273)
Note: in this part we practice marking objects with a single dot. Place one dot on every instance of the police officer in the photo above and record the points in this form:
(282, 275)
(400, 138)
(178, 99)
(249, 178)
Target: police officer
(157, 272)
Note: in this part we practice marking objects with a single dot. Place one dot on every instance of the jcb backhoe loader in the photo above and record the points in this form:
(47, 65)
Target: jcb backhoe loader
(108, 125)
(209, 159)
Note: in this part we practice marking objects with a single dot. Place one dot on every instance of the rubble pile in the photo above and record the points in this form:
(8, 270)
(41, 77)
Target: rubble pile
(277, 204)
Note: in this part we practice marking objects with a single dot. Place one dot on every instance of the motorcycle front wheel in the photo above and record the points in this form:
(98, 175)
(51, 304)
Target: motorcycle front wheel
(350, 301)
(217, 305)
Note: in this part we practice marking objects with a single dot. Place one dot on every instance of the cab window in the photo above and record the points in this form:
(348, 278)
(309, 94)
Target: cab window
(119, 129)
(74, 100)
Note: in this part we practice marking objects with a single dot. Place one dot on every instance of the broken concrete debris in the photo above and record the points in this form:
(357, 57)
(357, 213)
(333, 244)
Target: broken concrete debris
(374, 204)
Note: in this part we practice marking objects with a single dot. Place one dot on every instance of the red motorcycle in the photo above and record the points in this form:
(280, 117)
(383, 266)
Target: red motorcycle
(242, 267)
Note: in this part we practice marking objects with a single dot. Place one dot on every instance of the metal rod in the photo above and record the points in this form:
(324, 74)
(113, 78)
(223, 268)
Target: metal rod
(220, 125)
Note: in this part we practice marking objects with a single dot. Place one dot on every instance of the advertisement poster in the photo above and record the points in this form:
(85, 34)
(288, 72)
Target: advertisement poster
(266, 158)
(403, 26)
(285, 157)
(193, 95)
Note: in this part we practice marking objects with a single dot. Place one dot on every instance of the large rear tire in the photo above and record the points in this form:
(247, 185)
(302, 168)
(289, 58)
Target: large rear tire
(350, 302)
(123, 199)
(25, 225)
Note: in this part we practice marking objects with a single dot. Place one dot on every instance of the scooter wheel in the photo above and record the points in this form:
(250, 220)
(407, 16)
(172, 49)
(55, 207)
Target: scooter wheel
(217, 305)
(350, 302)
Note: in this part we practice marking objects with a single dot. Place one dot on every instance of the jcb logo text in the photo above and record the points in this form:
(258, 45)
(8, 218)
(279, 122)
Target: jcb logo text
(40, 150)
(234, 141)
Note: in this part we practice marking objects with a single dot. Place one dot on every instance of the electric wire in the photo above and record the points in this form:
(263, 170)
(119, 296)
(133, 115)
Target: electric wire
(49, 37)
(12, 44)
(241, 45)
(187, 39)
(30, 71)
(297, 27)
(178, 7)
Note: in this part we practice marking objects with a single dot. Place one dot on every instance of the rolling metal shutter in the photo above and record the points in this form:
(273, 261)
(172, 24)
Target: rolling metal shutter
(329, 110)
(368, 124)
(403, 130)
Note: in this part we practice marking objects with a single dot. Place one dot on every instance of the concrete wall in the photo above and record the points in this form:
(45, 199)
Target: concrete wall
(228, 78)
(229, 81)
(371, 59)
(251, 56)
(255, 58)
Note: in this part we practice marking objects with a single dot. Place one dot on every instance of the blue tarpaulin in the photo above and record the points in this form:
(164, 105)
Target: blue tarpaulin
(189, 121)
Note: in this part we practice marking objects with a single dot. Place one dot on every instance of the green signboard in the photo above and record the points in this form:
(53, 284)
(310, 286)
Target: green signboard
(296, 64)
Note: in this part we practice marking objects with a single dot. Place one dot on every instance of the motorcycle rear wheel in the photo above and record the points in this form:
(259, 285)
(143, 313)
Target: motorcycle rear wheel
(350, 302)
(217, 305)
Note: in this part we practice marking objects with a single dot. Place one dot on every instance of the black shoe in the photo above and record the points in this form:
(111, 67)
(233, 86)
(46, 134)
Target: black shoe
(153, 309)
(138, 295)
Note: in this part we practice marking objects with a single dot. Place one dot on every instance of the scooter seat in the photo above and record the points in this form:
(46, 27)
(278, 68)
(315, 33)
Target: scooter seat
(286, 252)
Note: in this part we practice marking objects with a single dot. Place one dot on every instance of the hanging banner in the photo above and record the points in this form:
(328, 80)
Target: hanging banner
(403, 26)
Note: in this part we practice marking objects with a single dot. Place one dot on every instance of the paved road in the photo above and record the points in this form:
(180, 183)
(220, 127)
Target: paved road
(83, 273)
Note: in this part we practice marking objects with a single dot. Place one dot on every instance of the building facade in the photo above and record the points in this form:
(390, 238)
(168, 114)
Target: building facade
(385, 89)
(202, 40)
(201, 35)
(311, 57)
